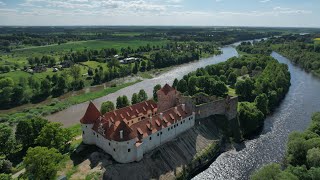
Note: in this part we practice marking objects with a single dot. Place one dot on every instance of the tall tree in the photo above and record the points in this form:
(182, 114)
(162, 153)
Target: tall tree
(42, 163)
(262, 103)
(142, 95)
(134, 98)
(106, 107)
(54, 136)
(156, 88)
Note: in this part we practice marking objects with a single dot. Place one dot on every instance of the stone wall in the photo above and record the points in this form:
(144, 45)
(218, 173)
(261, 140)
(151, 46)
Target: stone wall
(212, 106)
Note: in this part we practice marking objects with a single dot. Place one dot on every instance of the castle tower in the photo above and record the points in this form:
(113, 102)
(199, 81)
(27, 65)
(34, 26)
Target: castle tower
(166, 98)
(87, 121)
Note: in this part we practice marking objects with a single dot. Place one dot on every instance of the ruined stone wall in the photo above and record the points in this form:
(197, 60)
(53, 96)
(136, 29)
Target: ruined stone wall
(227, 107)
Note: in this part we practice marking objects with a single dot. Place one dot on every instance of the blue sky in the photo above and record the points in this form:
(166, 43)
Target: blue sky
(275, 13)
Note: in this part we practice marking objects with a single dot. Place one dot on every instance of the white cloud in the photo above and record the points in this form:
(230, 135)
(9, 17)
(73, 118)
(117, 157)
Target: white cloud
(2, 3)
(265, 1)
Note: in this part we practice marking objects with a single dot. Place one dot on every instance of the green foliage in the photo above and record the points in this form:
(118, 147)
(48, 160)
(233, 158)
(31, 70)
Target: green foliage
(313, 157)
(134, 98)
(182, 86)
(107, 107)
(142, 95)
(5, 166)
(232, 78)
(54, 136)
(7, 140)
(156, 88)
(122, 101)
(42, 162)
(272, 171)
(28, 130)
(5, 176)
(244, 89)
(262, 102)
(250, 118)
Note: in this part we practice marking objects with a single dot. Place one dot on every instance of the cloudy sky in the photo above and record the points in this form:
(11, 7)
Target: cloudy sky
(279, 13)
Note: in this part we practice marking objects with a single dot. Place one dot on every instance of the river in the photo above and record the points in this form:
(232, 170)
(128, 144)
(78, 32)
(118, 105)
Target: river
(293, 114)
(73, 114)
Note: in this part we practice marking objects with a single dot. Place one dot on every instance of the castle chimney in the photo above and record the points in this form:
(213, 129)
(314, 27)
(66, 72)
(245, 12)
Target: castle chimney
(183, 107)
(121, 134)
(161, 116)
(176, 110)
(110, 123)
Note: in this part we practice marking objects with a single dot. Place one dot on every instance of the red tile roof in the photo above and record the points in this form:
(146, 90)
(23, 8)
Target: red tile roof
(166, 89)
(139, 129)
(91, 115)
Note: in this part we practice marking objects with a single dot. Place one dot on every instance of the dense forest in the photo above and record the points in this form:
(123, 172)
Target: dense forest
(260, 81)
(302, 159)
(303, 50)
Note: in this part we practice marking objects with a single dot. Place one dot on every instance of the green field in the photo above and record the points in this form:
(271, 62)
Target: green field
(81, 45)
(317, 40)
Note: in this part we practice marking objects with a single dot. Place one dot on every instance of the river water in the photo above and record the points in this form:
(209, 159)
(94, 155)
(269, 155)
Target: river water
(293, 114)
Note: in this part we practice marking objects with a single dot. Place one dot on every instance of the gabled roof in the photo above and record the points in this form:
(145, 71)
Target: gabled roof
(91, 115)
(126, 132)
(167, 88)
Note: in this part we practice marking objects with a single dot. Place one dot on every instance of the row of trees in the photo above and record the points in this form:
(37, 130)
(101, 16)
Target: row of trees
(32, 90)
(302, 160)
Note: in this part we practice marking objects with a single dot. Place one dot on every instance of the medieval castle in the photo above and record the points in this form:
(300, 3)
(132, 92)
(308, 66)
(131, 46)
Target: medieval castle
(128, 133)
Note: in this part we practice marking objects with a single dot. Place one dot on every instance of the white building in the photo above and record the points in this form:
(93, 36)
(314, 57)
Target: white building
(128, 133)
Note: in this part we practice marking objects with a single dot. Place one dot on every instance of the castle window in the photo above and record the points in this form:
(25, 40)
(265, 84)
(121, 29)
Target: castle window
(177, 124)
(109, 144)
(129, 150)
(169, 129)
(94, 133)
(160, 132)
(174, 126)
(181, 122)
(82, 132)
(86, 126)
(114, 149)
(150, 138)
(97, 135)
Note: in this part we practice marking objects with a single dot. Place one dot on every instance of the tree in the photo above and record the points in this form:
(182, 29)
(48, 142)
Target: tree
(6, 86)
(54, 136)
(244, 89)
(182, 86)
(122, 101)
(175, 83)
(28, 130)
(156, 88)
(45, 88)
(262, 103)
(113, 63)
(134, 98)
(75, 72)
(142, 95)
(232, 78)
(250, 118)
(272, 171)
(5, 166)
(7, 141)
(42, 162)
(192, 85)
(313, 157)
(106, 107)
